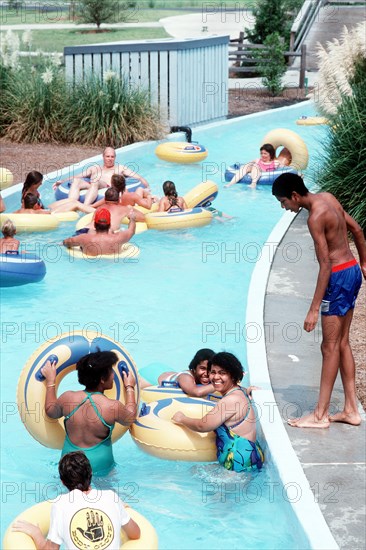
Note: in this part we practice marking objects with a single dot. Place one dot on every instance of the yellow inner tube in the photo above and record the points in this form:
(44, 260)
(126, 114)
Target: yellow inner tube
(193, 217)
(129, 251)
(312, 121)
(70, 216)
(181, 152)
(41, 514)
(205, 191)
(31, 392)
(293, 142)
(87, 219)
(156, 434)
(31, 222)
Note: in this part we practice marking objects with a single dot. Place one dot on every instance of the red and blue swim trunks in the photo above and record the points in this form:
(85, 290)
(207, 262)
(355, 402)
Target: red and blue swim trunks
(344, 284)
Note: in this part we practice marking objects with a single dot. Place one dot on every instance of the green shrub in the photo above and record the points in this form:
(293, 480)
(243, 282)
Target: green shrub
(101, 11)
(108, 112)
(343, 163)
(33, 106)
(270, 17)
(272, 65)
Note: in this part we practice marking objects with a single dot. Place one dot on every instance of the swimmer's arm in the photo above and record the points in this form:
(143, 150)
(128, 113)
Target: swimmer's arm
(184, 204)
(145, 202)
(78, 240)
(131, 174)
(359, 240)
(33, 531)
(317, 230)
(209, 422)
(127, 234)
(189, 386)
(132, 530)
(98, 203)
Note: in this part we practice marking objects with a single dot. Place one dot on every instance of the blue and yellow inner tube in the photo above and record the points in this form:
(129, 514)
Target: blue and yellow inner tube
(180, 219)
(66, 350)
(181, 152)
(155, 433)
(63, 190)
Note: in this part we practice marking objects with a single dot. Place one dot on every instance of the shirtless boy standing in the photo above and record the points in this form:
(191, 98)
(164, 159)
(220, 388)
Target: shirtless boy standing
(335, 294)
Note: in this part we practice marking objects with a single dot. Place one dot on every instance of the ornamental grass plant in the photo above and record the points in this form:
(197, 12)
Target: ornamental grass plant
(38, 105)
(342, 99)
(34, 106)
(108, 111)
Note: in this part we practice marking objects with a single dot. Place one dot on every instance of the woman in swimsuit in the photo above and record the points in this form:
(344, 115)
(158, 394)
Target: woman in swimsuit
(171, 202)
(266, 163)
(194, 381)
(89, 415)
(233, 418)
(32, 182)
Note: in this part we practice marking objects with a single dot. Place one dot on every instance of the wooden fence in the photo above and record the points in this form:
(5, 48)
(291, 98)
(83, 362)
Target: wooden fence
(248, 54)
(187, 79)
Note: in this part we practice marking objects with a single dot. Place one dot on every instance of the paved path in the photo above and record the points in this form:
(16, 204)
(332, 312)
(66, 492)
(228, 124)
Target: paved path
(333, 459)
(330, 24)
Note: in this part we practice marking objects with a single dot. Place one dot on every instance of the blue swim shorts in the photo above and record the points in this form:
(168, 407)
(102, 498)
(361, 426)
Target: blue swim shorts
(344, 284)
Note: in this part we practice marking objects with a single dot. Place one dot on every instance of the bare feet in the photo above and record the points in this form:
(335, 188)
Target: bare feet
(252, 185)
(347, 418)
(309, 421)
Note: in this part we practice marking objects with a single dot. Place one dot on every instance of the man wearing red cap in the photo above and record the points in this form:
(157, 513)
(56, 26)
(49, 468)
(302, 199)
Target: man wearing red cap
(103, 241)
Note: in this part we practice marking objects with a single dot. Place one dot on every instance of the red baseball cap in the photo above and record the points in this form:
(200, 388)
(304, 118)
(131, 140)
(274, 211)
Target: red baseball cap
(102, 216)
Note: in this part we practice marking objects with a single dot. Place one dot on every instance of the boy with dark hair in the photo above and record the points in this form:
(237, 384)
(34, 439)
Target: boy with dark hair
(84, 515)
(335, 294)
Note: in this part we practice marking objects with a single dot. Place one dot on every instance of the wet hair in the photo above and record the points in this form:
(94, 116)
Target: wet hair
(102, 227)
(8, 229)
(112, 194)
(118, 181)
(170, 192)
(94, 367)
(30, 201)
(75, 471)
(229, 363)
(32, 178)
(269, 148)
(286, 184)
(204, 354)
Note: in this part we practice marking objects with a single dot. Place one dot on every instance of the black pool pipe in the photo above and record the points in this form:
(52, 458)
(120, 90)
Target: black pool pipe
(186, 129)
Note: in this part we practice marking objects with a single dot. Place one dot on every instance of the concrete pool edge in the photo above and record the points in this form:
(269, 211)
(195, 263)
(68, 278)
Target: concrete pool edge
(290, 471)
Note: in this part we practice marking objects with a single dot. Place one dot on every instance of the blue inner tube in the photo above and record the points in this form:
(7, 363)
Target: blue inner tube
(62, 191)
(267, 178)
(20, 269)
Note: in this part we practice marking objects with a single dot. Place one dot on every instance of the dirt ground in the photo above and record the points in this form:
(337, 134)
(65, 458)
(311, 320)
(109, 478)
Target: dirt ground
(21, 158)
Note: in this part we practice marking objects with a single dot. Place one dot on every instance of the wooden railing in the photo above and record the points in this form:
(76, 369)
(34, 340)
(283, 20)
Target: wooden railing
(248, 54)
(301, 26)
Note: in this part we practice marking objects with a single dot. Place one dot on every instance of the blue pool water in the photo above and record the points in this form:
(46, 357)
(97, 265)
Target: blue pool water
(187, 290)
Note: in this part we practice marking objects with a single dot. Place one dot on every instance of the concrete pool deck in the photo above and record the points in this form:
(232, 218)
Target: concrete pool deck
(333, 459)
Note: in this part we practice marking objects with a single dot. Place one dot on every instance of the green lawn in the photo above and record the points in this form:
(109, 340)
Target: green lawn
(50, 41)
(134, 15)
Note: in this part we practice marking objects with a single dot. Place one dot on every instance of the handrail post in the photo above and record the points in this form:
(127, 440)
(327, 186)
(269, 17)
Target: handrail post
(302, 66)
(240, 47)
(291, 48)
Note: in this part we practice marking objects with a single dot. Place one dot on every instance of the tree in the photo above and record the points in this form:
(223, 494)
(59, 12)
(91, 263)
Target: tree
(101, 11)
(270, 17)
(272, 65)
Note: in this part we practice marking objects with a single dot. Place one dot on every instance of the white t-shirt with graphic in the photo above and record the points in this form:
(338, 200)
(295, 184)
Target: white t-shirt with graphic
(88, 521)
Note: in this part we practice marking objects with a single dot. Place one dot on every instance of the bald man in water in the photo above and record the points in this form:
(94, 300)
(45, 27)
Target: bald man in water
(100, 177)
